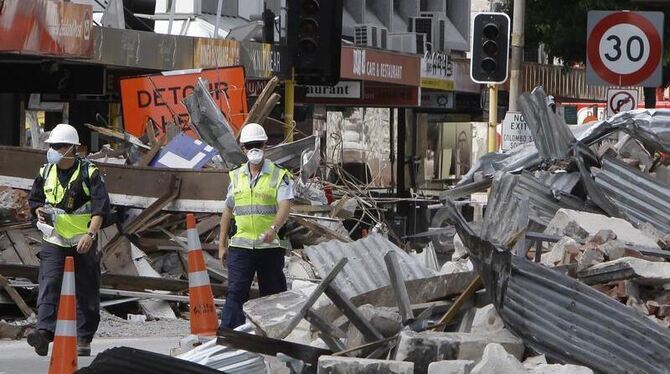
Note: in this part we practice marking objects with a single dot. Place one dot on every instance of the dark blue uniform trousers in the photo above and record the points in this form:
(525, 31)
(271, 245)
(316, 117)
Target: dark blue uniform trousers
(242, 265)
(87, 288)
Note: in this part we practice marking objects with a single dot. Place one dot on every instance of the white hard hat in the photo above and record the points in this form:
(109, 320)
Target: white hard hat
(253, 132)
(63, 133)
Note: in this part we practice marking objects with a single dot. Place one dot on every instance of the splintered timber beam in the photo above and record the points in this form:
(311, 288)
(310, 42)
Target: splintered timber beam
(328, 333)
(398, 284)
(369, 332)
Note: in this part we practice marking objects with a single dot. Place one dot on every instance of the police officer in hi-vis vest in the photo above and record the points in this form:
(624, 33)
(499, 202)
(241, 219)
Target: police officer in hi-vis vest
(69, 200)
(259, 199)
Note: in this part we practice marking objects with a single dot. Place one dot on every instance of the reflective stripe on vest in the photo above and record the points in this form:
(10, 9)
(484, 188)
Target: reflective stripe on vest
(255, 207)
(70, 227)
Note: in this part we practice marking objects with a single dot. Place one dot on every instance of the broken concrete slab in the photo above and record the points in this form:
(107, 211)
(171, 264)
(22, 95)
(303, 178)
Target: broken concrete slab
(386, 320)
(451, 367)
(272, 314)
(589, 257)
(539, 365)
(426, 347)
(487, 320)
(581, 225)
(642, 271)
(496, 360)
(354, 365)
(561, 252)
(462, 265)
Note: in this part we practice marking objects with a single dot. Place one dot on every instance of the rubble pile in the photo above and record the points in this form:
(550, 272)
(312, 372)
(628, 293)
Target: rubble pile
(565, 270)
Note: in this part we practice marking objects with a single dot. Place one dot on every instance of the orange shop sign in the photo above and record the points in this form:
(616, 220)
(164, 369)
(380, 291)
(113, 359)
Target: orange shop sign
(160, 96)
(46, 28)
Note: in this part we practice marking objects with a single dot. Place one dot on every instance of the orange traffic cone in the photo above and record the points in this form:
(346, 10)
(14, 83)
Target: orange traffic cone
(64, 352)
(202, 309)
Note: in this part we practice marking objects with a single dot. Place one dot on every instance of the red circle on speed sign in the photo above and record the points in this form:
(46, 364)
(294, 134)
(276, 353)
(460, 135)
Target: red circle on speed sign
(593, 48)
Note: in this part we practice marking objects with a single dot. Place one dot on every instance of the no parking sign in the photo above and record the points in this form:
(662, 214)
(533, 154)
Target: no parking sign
(624, 48)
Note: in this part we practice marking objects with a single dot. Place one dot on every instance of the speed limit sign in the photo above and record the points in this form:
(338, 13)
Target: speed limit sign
(624, 48)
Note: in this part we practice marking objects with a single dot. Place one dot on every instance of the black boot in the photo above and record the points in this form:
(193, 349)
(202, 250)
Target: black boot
(39, 339)
(83, 347)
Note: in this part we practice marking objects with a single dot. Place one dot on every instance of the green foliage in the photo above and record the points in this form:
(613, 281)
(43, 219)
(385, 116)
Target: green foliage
(561, 26)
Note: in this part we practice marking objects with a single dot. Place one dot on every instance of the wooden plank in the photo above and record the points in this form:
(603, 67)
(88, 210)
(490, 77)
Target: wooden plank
(320, 229)
(398, 285)
(114, 245)
(22, 248)
(328, 333)
(135, 182)
(205, 225)
(151, 295)
(149, 156)
(118, 281)
(462, 298)
(370, 333)
(261, 344)
(257, 108)
(25, 309)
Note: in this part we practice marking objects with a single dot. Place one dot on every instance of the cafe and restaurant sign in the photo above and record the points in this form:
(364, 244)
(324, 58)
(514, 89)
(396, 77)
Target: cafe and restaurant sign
(379, 66)
(374, 94)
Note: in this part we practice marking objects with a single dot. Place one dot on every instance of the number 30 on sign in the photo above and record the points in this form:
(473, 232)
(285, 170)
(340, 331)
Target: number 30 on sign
(624, 48)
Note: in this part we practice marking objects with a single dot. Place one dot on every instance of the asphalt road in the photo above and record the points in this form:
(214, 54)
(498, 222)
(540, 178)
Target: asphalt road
(17, 357)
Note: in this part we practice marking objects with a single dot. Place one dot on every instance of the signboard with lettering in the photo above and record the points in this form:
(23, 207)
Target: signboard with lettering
(261, 60)
(255, 86)
(160, 96)
(46, 27)
(437, 99)
(210, 53)
(376, 94)
(379, 66)
(515, 131)
(437, 71)
(342, 90)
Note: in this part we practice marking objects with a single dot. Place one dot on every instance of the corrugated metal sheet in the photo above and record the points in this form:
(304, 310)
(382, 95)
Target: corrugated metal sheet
(551, 135)
(649, 126)
(640, 197)
(288, 154)
(563, 318)
(573, 323)
(517, 201)
(227, 360)
(366, 270)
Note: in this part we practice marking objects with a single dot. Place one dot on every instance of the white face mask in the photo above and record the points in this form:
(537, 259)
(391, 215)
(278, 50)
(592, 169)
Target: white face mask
(54, 157)
(255, 156)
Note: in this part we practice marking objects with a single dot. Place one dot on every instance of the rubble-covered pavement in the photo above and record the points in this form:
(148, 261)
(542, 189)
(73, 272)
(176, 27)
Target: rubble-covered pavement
(567, 271)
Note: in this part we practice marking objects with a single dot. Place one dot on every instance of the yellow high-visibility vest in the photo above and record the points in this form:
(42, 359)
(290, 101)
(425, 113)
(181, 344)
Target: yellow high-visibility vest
(68, 227)
(255, 207)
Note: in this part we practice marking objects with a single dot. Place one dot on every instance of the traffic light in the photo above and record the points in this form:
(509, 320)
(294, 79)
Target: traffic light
(490, 48)
(315, 40)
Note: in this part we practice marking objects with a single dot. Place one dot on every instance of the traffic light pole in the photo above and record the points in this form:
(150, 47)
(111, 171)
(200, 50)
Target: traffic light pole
(517, 50)
(493, 118)
(289, 98)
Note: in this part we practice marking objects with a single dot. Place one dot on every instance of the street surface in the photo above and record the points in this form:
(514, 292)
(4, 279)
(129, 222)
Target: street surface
(17, 357)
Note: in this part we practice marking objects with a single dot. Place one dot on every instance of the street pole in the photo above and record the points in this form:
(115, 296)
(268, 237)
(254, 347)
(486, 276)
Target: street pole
(493, 118)
(517, 50)
(289, 91)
